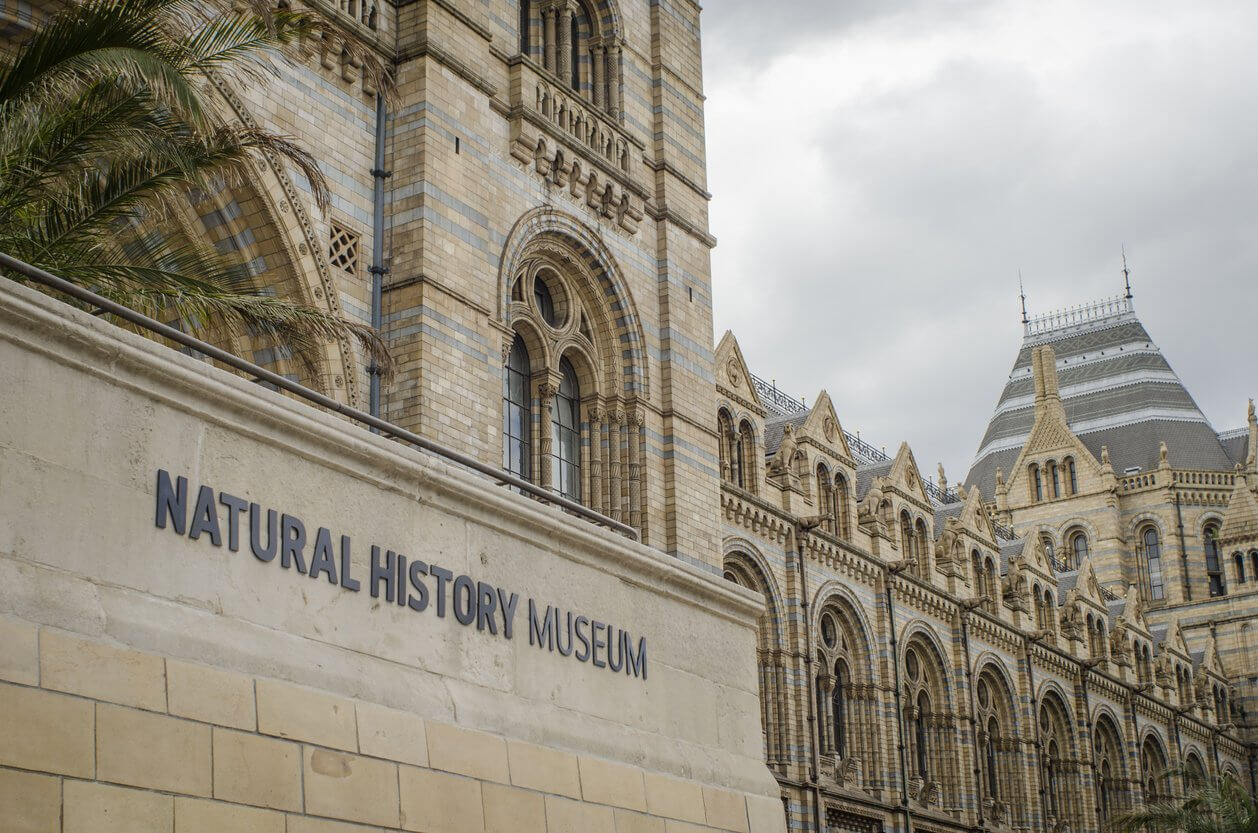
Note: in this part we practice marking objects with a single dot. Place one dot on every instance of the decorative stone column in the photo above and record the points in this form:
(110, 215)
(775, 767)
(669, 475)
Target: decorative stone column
(548, 53)
(546, 393)
(615, 103)
(597, 415)
(614, 472)
(636, 418)
(598, 61)
(563, 64)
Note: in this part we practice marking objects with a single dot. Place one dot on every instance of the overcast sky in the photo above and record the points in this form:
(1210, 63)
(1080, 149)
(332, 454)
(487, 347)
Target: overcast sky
(881, 169)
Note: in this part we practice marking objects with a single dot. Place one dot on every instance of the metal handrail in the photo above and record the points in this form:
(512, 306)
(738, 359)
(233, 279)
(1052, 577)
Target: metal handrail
(261, 374)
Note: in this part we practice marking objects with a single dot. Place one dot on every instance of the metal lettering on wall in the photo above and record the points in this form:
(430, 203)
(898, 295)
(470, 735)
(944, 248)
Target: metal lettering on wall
(407, 582)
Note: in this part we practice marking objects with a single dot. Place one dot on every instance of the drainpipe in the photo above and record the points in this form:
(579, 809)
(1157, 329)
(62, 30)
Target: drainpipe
(891, 570)
(1183, 550)
(377, 268)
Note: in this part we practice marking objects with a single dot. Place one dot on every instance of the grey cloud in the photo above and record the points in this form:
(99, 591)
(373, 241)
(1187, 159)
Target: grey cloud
(890, 279)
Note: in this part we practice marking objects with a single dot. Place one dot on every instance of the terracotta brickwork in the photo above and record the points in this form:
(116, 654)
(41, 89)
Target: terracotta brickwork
(918, 659)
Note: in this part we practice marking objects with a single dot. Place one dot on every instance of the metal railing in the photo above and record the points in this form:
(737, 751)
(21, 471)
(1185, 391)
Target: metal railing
(1074, 316)
(261, 374)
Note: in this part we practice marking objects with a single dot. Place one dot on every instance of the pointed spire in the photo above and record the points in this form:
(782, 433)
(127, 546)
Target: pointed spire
(1126, 275)
(1251, 459)
(1022, 295)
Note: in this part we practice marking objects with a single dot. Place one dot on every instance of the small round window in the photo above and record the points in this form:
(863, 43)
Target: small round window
(910, 664)
(544, 301)
(828, 630)
(982, 693)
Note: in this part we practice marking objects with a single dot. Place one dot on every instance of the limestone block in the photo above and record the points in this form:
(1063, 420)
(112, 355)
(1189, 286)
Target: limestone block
(210, 695)
(101, 671)
(566, 816)
(151, 750)
(256, 770)
(309, 824)
(672, 826)
(475, 754)
(102, 808)
(194, 815)
(19, 652)
(725, 809)
(608, 783)
(434, 802)
(47, 732)
(350, 787)
(392, 734)
(30, 803)
(628, 821)
(674, 799)
(765, 815)
(511, 810)
(543, 769)
(289, 711)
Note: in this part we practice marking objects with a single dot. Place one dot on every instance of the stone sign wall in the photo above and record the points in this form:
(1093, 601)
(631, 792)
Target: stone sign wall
(194, 661)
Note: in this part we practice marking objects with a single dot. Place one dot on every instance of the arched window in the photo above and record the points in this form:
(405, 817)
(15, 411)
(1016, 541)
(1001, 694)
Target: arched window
(906, 534)
(989, 753)
(1194, 771)
(993, 586)
(1079, 546)
(1052, 755)
(1050, 552)
(727, 444)
(1152, 555)
(516, 427)
(1152, 772)
(577, 51)
(744, 571)
(825, 496)
(838, 707)
(1240, 567)
(980, 574)
(1055, 476)
(1037, 483)
(746, 457)
(1107, 744)
(1253, 564)
(920, 751)
(921, 550)
(526, 11)
(1072, 476)
(566, 434)
(1214, 563)
(841, 511)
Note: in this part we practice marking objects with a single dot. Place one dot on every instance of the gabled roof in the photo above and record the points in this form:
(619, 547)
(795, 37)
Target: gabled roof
(1117, 389)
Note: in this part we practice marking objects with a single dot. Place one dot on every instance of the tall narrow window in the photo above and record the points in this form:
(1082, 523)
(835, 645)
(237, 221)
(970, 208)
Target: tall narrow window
(823, 733)
(565, 435)
(1070, 473)
(919, 735)
(1214, 564)
(1056, 477)
(993, 731)
(838, 704)
(1050, 776)
(1253, 564)
(840, 497)
(1153, 563)
(515, 411)
(575, 41)
(525, 13)
(1080, 542)
(1038, 482)
(1107, 777)
(1240, 567)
